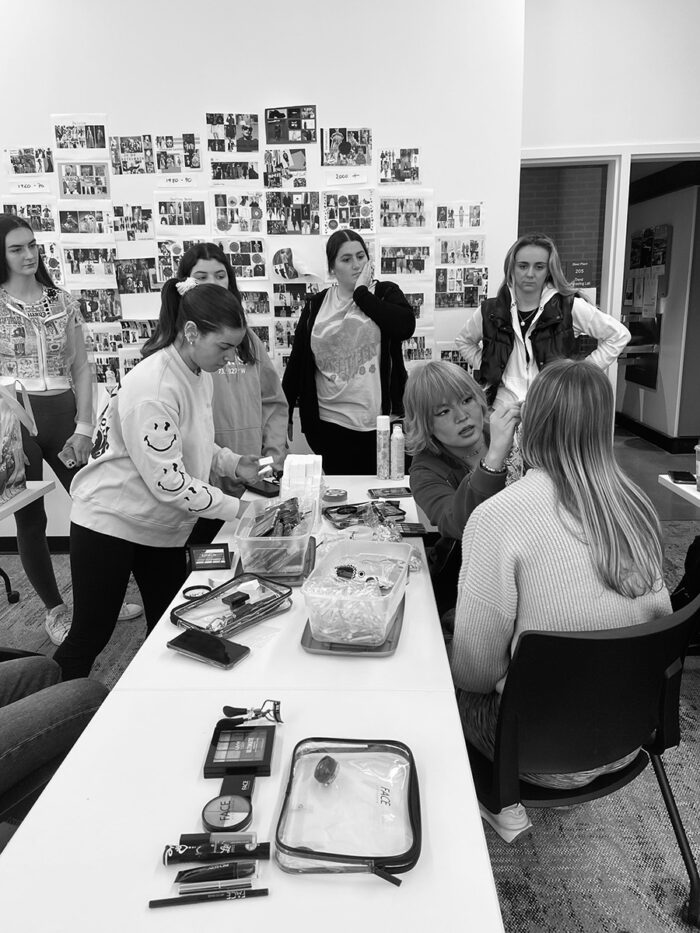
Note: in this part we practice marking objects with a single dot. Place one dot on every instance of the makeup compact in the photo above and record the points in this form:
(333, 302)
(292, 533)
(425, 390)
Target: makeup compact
(232, 810)
(239, 750)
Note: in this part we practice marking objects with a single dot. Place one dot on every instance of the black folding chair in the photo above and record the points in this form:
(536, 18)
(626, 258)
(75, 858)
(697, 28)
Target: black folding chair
(574, 701)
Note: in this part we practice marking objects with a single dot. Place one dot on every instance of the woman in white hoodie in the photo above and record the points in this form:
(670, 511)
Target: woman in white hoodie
(534, 319)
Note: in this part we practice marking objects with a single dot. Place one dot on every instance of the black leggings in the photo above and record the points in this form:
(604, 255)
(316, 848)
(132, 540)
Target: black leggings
(100, 570)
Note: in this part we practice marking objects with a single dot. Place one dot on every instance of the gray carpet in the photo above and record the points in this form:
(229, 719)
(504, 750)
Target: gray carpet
(610, 866)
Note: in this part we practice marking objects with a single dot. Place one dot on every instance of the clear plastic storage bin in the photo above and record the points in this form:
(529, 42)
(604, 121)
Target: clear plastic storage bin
(353, 593)
(271, 556)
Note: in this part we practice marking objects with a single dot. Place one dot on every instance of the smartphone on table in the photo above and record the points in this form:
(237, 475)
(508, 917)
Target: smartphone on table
(682, 476)
(212, 649)
(389, 492)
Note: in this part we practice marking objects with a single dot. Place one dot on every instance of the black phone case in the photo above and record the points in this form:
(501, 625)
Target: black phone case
(211, 649)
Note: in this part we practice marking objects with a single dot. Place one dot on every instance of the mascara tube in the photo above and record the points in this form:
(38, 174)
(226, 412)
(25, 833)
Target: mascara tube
(218, 871)
(214, 852)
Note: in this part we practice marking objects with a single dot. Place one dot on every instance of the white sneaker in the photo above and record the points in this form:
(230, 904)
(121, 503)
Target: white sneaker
(58, 623)
(509, 823)
(129, 611)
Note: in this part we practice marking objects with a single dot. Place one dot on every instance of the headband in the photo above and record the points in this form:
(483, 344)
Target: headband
(185, 286)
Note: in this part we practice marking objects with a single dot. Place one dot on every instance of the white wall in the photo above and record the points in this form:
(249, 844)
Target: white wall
(610, 71)
(659, 408)
(446, 77)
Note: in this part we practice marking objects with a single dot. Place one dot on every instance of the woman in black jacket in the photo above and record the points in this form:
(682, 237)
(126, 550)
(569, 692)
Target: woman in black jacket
(346, 365)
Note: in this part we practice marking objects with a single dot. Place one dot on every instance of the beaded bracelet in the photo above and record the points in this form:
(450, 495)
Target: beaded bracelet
(488, 469)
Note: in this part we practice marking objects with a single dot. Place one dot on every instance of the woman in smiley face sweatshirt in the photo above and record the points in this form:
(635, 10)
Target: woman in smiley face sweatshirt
(147, 479)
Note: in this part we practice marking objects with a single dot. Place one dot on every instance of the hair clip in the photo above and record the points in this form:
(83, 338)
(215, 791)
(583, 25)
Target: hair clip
(185, 285)
(270, 710)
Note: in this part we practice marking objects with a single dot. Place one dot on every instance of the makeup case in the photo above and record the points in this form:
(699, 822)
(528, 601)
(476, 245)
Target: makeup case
(234, 606)
(350, 805)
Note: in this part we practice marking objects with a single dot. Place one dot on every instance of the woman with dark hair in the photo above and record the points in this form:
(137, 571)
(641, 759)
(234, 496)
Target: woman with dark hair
(573, 546)
(42, 346)
(248, 404)
(534, 319)
(346, 366)
(147, 479)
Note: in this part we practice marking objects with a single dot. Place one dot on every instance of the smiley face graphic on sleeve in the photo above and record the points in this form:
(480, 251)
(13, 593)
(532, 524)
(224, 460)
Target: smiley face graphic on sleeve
(161, 436)
(172, 480)
(199, 499)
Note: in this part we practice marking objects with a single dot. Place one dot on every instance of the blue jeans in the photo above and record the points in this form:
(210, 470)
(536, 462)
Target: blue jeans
(40, 718)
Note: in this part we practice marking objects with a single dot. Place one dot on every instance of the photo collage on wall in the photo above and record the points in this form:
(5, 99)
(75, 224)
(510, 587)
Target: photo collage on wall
(268, 188)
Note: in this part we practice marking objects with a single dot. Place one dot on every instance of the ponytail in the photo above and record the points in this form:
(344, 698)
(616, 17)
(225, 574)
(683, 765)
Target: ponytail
(210, 307)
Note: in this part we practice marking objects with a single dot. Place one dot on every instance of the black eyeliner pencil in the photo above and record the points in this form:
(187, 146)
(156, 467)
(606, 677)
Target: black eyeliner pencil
(212, 896)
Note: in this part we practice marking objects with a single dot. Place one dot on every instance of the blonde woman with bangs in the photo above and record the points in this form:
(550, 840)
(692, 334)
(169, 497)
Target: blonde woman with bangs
(461, 457)
(573, 546)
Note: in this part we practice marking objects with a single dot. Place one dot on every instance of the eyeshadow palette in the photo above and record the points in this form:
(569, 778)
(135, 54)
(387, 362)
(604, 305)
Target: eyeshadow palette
(239, 750)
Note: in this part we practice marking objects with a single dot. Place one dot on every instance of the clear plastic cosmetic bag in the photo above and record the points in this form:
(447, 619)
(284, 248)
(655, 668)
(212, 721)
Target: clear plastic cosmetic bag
(350, 805)
(234, 606)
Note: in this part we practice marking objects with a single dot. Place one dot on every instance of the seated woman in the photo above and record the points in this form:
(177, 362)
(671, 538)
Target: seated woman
(460, 459)
(573, 546)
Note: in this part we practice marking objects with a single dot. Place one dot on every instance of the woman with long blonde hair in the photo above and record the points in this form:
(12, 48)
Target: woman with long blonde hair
(573, 546)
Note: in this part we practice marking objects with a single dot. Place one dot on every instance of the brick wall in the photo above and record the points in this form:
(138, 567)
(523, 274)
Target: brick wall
(568, 204)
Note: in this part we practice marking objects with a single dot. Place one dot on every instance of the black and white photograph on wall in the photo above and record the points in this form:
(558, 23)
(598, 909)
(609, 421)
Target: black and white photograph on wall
(183, 209)
(256, 303)
(416, 301)
(284, 333)
(132, 155)
(246, 256)
(103, 337)
(298, 258)
(460, 286)
(291, 124)
(235, 212)
(128, 358)
(107, 369)
(348, 210)
(136, 276)
(168, 255)
(290, 298)
(94, 219)
(262, 331)
(83, 180)
(284, 168)
(452, 356)
(460, 251)
(232, 132)
(400, 210)
(178, 153)
(90, 262)
(40, 215)
(135, 333)
(29, 161)
(281, 359)
(418, 348)
(405, 259)
(80, 131)
(51, 254)
(343, 146)
(399, 166)
(459, 215)
(292, 212)
(133, 222)
(98, 304)
(235, 170)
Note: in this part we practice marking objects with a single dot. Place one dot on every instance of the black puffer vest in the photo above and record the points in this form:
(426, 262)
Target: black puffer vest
(552, 337)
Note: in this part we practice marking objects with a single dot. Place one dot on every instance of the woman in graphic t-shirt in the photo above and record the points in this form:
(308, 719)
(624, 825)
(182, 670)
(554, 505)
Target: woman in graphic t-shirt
(346, 365)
